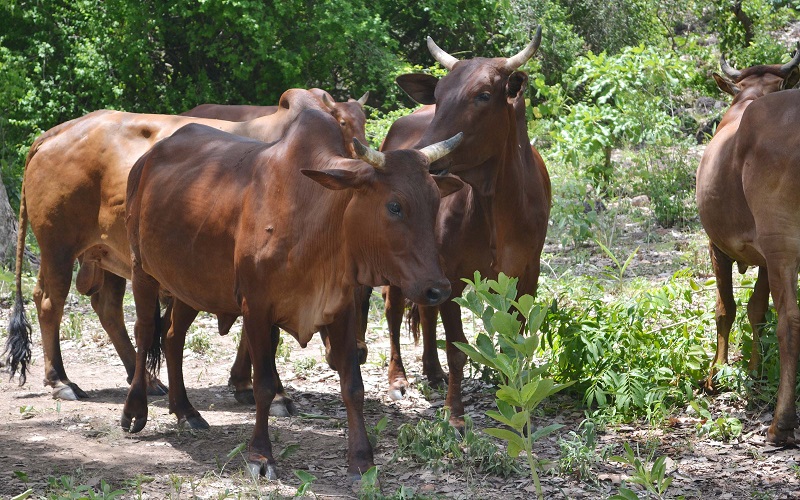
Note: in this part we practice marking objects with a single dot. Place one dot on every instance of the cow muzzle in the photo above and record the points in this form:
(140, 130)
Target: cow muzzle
(436, 294)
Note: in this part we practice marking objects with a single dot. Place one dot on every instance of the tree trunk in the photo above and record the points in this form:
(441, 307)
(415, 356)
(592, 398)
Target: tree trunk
(8, 230)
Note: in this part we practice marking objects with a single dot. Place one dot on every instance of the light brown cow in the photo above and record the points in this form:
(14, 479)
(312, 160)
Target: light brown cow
(349, 114)
(236, 227)
(73, 195)
(498, 222)
(721, 203)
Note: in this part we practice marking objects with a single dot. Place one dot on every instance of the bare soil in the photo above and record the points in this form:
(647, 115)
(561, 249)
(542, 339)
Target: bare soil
(42, 439)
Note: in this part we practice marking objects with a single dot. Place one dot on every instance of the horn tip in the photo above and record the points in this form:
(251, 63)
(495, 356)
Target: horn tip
(360, 148)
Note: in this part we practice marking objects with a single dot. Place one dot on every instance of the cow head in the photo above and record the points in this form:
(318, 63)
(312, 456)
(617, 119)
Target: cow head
(389, 221)
(756, 81)
(350, 116)
(477, 97)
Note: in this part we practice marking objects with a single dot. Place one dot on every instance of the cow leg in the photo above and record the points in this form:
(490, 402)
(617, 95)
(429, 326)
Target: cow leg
(242, 382)
(259, 457)
(344, 350)
(454, 332)
(394, 306)
(107, 303)
(361, 295)
(757, 314)
(49, 295)
(174, 342)
(431, 367)
(241, 378)
(725, 312)
(282, 405)
(783, 283)
(148, 315)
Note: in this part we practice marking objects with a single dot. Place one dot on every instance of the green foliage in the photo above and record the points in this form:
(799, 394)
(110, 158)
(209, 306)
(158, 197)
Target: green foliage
(723, 428)
(627, 99)
(507, 349)
(198, 341)
(667, 175)
(631, 357)
(436, 444)
(615, 24)
(653, 478)
(68, 487)
(579, 452)
(374, 432)
(745, 28)
(306, 480)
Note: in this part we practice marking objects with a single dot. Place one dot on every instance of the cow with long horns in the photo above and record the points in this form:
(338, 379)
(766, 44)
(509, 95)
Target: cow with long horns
(723, 206)
(498, 222)
(292, 229)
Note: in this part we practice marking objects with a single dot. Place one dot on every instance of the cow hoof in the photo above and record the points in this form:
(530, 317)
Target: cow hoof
(138, 423)
(354, 481)
(397, 389)
(458, 424)
(195, 422)
(283, 407)
(438, 381)
(263, 469)
(780, 437)
(245, 397)
(156, 388)
(69, 392)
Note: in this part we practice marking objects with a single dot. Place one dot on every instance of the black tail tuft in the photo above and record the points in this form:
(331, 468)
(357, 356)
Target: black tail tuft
(154, 353)
(18, 345)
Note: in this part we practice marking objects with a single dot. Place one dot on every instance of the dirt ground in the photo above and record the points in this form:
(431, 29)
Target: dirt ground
(43, 440)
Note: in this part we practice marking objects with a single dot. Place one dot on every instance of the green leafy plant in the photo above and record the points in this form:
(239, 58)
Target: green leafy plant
(723, 428)
(438, 445)
(306, 481)
(652, 478)
(523, 386)
(579, 451)
(198, 341)
(374, 432)
(620, 268)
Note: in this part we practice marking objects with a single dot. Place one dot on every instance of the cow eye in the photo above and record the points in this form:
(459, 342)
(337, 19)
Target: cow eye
(394, 208)
(342, 123)
(483, 96)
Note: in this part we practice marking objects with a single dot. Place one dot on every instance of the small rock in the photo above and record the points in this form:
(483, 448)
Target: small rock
(640, 201)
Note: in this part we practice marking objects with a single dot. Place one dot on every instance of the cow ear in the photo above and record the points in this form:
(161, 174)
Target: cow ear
(792, 79)
(725, 85)
(448, 184)
(419, 87)
(516, 84)
(334, 178)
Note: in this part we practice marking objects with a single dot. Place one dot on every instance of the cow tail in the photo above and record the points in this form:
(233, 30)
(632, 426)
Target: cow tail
(18, 344)
(412, 320)
(154, 353)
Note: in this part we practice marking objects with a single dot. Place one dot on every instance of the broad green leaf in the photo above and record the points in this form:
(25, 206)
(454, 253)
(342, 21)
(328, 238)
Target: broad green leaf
(509, 436)
(500, 417)
(544, 431)
(505, 323)
(472, 353)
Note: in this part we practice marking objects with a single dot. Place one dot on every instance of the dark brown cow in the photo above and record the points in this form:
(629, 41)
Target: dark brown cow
(721, 203)
(498, 223)
(349, 114)
(768, 158)
(73, 195)
(277, 249)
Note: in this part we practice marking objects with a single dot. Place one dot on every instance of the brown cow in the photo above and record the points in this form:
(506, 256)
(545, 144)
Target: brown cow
(277, 249)
(721, 204)
(349, 114)
(768, 159)
(73, 194)
(498, 223)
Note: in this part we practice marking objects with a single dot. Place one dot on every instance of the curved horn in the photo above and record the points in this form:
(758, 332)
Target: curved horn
(794, 62)
(363, 99)
(369, 155)
(445, 59)
(730, 72)
(440, 149)
(326, 100)
(518, 60)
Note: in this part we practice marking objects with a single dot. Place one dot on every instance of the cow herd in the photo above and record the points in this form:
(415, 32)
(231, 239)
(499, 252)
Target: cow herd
(281, 215)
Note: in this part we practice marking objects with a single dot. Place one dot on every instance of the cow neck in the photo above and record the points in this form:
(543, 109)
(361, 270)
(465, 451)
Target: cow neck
(498, 187)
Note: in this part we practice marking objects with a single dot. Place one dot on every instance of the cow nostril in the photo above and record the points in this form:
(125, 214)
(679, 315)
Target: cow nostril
(434, 295)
